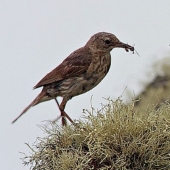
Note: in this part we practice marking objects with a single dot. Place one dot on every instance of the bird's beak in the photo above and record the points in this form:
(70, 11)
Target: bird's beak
(125, 46)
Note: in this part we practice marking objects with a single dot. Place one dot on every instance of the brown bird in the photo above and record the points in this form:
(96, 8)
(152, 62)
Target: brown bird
(81, 71)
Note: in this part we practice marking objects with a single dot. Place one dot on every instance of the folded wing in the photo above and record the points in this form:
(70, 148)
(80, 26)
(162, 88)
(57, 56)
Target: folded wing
(75, 64)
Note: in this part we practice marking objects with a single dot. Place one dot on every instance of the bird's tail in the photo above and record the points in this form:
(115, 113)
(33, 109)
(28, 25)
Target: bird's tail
(40, 98)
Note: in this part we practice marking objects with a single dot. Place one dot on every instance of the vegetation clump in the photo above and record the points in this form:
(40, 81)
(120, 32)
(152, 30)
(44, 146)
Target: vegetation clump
(157, 91)
(116, 137)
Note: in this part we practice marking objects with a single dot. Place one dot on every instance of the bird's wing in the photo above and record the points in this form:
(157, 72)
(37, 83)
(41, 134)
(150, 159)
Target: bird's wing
(75, 64)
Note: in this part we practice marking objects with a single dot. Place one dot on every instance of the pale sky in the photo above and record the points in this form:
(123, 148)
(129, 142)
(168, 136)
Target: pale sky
(36, 35)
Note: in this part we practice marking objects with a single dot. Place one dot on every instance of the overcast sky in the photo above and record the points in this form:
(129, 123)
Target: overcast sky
(36, 35)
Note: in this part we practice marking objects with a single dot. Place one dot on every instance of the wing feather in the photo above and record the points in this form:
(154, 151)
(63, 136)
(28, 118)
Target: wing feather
(75, 64)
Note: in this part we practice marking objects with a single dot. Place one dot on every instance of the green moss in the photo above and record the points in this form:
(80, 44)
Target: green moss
(116, 138)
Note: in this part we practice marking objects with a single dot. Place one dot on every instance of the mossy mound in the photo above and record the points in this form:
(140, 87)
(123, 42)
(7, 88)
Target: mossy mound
(117, 137)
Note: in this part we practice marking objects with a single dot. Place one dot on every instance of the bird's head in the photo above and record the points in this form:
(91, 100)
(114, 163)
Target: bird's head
(106, 42)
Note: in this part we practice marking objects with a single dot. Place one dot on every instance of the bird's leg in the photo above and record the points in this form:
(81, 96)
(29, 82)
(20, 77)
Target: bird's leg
(63, 113)
(59, 109)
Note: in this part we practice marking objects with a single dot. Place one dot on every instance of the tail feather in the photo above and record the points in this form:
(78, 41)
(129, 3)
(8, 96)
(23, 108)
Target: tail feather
(40, 98)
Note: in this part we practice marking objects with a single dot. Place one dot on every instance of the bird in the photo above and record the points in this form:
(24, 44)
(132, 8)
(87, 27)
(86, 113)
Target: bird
(80, 72)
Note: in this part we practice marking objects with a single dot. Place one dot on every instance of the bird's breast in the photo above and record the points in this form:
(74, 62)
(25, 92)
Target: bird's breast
(100, 65)
(99, 68)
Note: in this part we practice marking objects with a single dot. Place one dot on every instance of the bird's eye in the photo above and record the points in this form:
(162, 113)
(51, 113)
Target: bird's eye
(107, 41)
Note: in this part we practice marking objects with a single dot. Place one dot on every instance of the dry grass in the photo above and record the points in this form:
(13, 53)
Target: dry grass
(114, 138)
